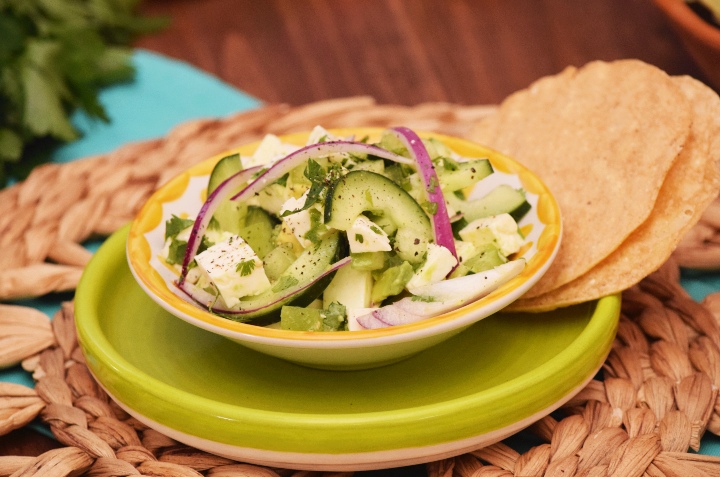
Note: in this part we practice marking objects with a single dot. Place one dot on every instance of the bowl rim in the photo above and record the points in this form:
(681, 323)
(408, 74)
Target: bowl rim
(150, 214)
(683, 16)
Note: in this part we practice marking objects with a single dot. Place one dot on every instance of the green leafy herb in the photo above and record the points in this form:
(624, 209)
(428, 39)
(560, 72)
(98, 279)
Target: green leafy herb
(176, 252)
(245, 267)
(214, 224)
(316, 175)
(55, 57)
(359, 238)
(376, 229)
(174, 225)
(314, 171)
(318, 230)
(320, 181)
(334, 317)
(283, 180)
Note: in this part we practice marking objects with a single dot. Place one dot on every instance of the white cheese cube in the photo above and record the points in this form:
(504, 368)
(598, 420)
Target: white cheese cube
(235, 270)
(365, 236)
(320, 133)
(270, 149)
(502, 228)
(299, 223)
(218, 236)
(439, 262)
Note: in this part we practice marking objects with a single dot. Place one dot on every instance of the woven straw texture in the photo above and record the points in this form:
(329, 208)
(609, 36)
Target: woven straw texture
(658, 397)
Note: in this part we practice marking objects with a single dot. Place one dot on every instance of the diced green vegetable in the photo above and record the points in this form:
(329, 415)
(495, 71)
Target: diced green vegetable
(312, 319)
(392, 282)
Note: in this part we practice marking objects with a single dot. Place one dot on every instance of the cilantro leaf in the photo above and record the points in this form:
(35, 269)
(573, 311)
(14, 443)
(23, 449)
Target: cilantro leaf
(55, 57)
(314, 171)
(320, 180)
(174, 225)
(283, 180)
(176, 252)
(318, 229)
(245, 267)
(334, 317)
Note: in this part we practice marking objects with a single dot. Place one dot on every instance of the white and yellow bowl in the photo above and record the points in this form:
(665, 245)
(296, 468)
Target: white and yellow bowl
(339, 350)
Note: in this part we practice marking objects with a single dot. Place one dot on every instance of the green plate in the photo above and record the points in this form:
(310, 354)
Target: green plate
(476, 388)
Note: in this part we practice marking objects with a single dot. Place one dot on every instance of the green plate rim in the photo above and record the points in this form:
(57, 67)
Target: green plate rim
(433, 424)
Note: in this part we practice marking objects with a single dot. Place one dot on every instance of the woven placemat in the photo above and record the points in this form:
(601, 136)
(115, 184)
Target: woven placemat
(658, 397)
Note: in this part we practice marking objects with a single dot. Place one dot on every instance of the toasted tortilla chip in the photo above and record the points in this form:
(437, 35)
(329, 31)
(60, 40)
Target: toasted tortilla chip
(603, 138)
(691, 185)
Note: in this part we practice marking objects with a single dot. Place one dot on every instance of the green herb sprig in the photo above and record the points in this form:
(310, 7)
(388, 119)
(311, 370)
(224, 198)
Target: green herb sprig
(55, 56)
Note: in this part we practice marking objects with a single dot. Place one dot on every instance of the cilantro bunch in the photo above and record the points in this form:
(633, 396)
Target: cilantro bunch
(55, 56)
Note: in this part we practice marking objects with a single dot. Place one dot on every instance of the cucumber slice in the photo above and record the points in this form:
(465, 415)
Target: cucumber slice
(312, 319)
(229, 214)
(308, 266)
(503, 199)
(488, 258)
(277, 261)
(466, 174)
(361, 191)
(225, 167)
(257, 229)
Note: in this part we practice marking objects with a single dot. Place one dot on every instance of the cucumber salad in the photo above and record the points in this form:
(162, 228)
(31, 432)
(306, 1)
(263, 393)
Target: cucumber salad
(345, 235)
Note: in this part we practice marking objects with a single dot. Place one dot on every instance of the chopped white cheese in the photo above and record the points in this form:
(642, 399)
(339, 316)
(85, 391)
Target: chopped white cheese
(218, 236)
(439, 262)
(299, 223)
(501, 228)
(235, 270)
(365, 236)
(270, 149)
(318, 134)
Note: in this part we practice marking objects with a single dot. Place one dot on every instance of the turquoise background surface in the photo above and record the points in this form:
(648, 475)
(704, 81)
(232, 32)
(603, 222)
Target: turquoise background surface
(163, 94)
(166, 93)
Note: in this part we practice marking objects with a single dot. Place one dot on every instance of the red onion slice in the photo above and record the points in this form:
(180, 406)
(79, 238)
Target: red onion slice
(292, 160)
(206, 212)
(387, 316)
(440, 220)
(275, 172)
(205, 299)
